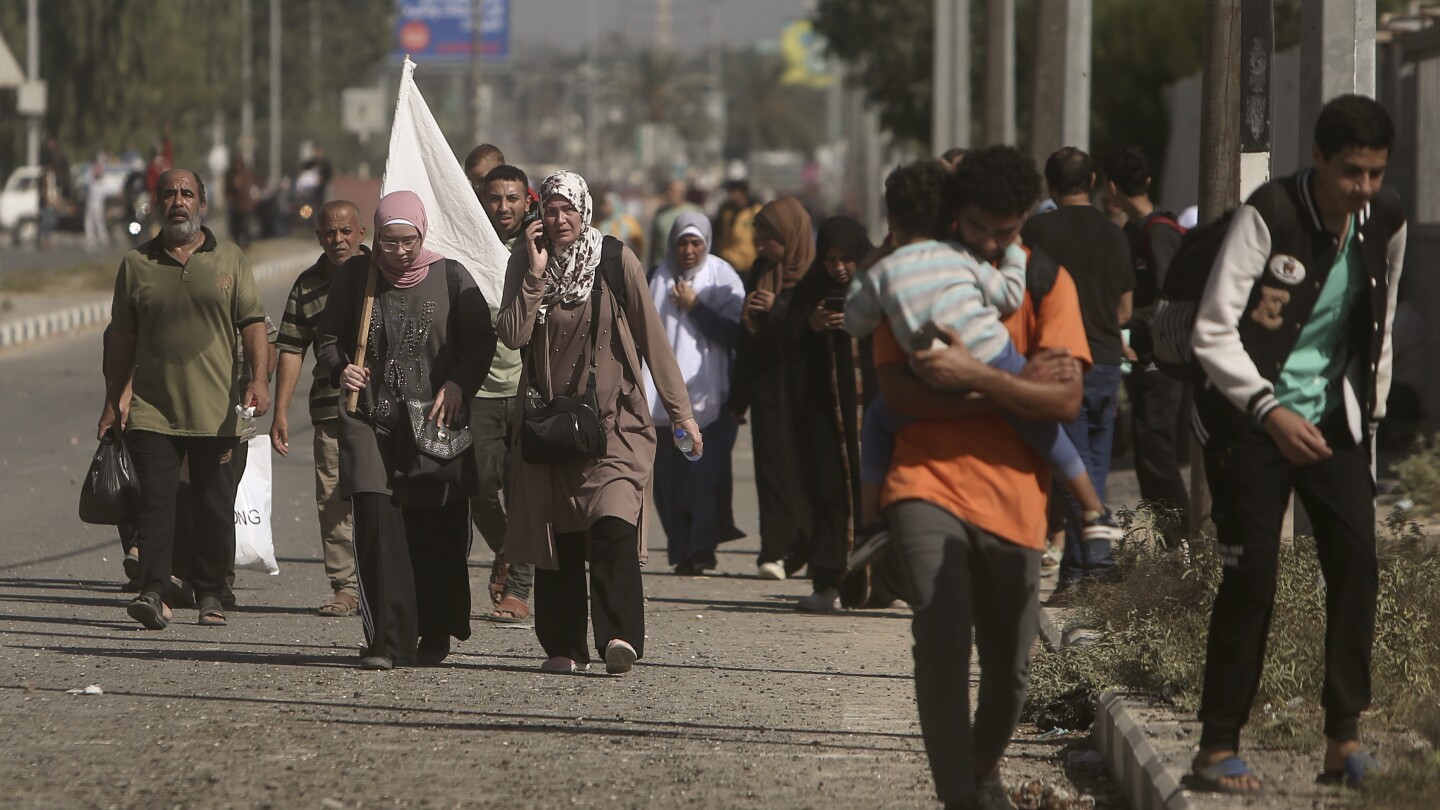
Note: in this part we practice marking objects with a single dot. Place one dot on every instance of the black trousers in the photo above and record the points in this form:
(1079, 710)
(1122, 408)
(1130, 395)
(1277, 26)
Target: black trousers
(779, 492)
(1156, 400)
(617, 597)
(157, 458)
(1252, 482)
(414, 582)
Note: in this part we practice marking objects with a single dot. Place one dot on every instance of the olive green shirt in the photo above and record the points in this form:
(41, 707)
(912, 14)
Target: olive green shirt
(186, 318)
(504, 377)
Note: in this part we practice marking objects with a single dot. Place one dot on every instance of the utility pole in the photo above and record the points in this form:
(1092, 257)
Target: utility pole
(1257, 43)
(664, 26)
(477, 71)
(1075, 126)
(1048, 99)
(247, 84)
(1219, 177)
(951, 76)
(1337, 56)
(32, 74)
(1000, 71)
(275, 122)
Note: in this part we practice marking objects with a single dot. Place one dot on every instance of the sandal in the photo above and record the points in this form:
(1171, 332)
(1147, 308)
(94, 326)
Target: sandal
(149, 611)
(342, 604)
(510, 611)
(212, 612)
(1232, 767)
(1358, 766)
(499, 572)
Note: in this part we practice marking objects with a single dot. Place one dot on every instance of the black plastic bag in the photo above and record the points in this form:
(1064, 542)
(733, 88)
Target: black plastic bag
(110, 494)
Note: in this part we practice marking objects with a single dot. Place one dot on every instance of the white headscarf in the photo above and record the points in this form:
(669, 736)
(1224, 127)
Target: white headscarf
(570, 273)
(704, 363)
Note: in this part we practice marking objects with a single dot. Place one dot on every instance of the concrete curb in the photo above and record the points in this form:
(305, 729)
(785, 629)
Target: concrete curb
(97, 311)
(1120, 739)
(1137, 769)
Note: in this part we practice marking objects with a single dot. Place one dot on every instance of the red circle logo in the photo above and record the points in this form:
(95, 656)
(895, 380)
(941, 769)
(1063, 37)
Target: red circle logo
(415, 36)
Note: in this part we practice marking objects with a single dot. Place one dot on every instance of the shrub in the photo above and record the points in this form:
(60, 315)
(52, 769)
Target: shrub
(1419, 473)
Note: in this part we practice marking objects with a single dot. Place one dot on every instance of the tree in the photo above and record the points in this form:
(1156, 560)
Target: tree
(763, 113)
(890, 49)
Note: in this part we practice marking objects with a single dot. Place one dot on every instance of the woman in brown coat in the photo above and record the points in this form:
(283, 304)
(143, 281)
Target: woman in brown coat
(563, 514)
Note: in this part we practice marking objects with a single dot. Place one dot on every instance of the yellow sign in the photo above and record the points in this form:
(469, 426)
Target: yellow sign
(804, 54)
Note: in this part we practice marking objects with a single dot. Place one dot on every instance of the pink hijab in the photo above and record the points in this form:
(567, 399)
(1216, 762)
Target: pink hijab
(405, 208)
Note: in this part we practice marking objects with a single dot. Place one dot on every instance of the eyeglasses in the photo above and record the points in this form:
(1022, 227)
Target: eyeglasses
(392, 246)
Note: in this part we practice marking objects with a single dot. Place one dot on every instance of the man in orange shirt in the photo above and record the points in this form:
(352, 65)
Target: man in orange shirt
(965, 496)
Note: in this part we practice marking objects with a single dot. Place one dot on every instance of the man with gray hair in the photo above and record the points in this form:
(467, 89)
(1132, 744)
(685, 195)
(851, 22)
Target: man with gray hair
(171, 387)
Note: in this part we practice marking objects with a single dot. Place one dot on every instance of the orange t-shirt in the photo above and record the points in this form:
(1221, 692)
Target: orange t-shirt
(977, 467)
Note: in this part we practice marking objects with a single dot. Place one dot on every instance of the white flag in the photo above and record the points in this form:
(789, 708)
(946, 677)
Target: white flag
(421, 161)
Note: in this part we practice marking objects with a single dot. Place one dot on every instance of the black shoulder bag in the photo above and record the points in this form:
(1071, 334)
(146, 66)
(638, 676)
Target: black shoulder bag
(566, 429)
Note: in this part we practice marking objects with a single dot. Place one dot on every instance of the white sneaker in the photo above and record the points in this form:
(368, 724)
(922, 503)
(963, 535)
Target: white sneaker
(771, 570)
(619, 656)
(562, 665)
(819, 602)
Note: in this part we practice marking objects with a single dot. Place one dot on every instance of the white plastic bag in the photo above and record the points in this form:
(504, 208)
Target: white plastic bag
(254, 542)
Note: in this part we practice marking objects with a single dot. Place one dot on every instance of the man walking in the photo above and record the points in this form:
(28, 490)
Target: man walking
(1094, 250)
(180, 299)
(965, 495)
(505, 195)
(1293, 334)
(1155, 397)
(342, 236)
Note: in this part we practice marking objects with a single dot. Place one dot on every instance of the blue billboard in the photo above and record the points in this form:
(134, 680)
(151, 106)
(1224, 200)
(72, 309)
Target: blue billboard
(440, 30)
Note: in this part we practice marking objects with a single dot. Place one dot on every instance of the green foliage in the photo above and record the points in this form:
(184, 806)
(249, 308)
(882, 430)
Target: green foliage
(1420, 473)
(890, 49)
(1155, 624)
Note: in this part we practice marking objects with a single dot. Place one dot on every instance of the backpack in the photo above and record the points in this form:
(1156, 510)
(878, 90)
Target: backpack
(612, 269)
(1172, 324)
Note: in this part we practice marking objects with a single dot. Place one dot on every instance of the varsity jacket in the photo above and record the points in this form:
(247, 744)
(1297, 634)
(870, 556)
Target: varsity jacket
(1262, 288)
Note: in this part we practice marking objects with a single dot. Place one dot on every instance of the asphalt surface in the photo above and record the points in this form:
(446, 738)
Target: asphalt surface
(740, 702)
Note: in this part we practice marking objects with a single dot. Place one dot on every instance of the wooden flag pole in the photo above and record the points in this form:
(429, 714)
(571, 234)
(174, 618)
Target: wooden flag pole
(362, 340)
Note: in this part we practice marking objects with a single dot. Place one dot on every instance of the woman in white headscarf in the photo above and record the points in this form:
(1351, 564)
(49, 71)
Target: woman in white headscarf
(561, 515)
(699, 297)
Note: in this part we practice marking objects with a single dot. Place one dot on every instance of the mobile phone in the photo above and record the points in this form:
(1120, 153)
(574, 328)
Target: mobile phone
(530, 216)
(835, 303)
(928, 337)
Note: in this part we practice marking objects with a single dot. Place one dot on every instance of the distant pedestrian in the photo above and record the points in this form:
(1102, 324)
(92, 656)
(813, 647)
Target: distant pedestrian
(698, 297)
(1293, 335)
(965, 495)
(173, 345)
(241, 195)
(612, 221)
(576, 299)
(480, 162)
(506, 199)
(430, 341)
(1097, 255)
(1156, 398)
(835, 383)
(97, 230)
(341, 235)
(735, 226)
(673, 203)
(764, 380)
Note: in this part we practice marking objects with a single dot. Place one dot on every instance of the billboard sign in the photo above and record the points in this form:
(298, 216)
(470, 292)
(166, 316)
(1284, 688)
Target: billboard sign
(429, 30)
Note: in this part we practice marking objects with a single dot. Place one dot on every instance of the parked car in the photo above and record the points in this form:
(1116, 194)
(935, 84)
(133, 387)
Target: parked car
(20, 205)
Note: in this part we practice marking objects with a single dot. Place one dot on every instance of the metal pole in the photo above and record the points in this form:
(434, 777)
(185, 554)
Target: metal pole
(943, 78)
(32, 70)
(960, 70)
(1048, 99)
(477, 71)
(247, 84)
(999, 71)
(275, 122)
(1337, 56)
(1075, 127)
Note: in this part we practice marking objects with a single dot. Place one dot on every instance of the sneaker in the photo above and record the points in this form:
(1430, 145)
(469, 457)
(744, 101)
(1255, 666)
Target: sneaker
(990, 793)
(619, 656)
(771, 570)
(377, 662)
(562, 665)
(1103, 527)
(827, 601)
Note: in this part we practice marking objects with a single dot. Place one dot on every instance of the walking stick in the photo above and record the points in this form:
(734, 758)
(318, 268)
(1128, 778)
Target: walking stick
(362, 340)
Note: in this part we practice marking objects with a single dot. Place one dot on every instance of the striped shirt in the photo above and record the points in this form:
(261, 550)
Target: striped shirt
(941, 283)
(297, 333)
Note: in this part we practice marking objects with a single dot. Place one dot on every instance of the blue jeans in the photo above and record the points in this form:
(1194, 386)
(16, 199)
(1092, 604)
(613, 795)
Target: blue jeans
(1093, 433)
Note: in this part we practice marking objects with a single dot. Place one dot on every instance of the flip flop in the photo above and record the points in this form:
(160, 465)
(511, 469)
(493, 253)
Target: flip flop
(1358, 767)
(212, 613)
(340, 605)
(1231, 767)
(149, 611)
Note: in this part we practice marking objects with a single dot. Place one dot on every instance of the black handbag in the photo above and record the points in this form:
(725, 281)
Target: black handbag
(566, 429)
(110, 494)
(428, 453)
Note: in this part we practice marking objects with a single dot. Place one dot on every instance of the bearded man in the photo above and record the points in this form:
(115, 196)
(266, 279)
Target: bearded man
(172, 389)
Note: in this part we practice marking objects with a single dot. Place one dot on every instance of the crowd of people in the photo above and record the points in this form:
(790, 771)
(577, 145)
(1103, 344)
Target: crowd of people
(909, 404)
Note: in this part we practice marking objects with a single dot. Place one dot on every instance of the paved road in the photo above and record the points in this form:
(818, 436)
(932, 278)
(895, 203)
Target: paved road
(740, 702)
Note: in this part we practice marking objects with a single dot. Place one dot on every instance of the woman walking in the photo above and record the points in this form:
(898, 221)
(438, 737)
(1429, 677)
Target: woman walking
(764, 383)
(428, 342)
(699, 297)
(577, 302)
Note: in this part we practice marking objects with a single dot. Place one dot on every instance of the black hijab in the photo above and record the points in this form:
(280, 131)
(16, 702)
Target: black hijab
(846, 234)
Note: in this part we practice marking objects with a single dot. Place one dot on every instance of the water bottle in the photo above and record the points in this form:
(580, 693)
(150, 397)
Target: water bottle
(686, 444)
(247, 426)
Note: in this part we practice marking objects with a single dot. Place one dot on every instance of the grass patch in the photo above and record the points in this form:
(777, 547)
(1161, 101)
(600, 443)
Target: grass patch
(1156, 620)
